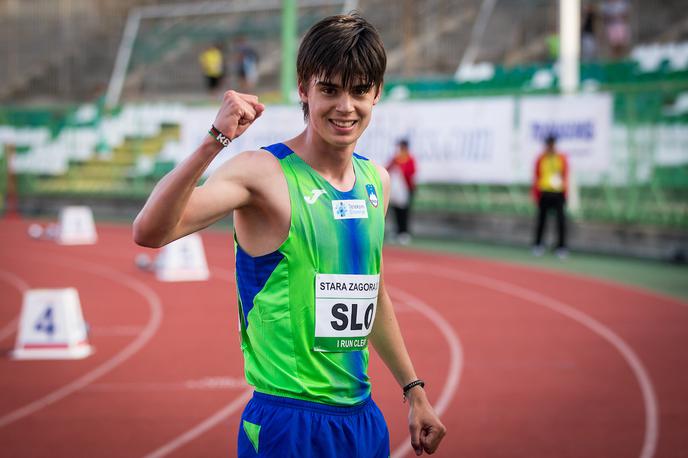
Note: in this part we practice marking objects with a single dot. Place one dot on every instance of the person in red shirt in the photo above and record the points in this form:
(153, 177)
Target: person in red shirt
(402, 171)
(550, 185)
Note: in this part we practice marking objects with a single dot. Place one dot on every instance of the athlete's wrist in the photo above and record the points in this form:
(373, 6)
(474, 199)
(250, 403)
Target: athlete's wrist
(210, 146)
(219, 136)
(416, 396)
(412, 390)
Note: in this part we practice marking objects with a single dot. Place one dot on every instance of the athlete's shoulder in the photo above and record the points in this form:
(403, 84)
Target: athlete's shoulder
(384, 174)
(249, 165)
(252, 158)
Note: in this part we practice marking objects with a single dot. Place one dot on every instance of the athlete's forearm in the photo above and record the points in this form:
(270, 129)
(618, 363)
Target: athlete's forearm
(388, 342)
(156, 223)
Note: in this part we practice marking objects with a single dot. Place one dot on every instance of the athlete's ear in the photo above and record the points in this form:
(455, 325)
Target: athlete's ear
(378, 95)
(303, 91)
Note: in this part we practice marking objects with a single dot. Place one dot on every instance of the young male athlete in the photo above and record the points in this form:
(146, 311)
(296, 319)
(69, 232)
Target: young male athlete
(309, 223)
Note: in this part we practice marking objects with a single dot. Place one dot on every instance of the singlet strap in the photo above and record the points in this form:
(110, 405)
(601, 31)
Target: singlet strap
(279, 150)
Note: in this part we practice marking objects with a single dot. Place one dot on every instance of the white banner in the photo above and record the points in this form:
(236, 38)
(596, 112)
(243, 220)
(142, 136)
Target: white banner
(581, 123)
(464, 140)
(461, 140)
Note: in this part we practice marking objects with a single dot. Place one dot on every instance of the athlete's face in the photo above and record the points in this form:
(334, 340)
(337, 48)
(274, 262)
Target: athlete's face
(338, 115)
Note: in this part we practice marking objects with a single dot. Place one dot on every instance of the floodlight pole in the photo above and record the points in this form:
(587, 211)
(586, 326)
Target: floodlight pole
(289, 37)
(569, 51)
(471, 52)
(122, 62)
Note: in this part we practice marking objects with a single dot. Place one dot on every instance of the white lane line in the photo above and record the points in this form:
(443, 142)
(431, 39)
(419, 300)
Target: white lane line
(20, 285)
(455, 359)
(220, 415)
(9, 329)
(114, 331)
(649, 397)
(14, 280)
(134, 347)
(202, 427)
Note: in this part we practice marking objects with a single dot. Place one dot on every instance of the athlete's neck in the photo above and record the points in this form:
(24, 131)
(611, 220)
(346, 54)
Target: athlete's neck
(333, 163)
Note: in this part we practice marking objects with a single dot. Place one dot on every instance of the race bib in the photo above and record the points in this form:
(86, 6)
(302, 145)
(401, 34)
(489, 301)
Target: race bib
(345, 308)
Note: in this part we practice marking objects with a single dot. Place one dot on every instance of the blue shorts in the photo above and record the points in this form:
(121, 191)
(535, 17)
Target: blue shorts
(275, 426)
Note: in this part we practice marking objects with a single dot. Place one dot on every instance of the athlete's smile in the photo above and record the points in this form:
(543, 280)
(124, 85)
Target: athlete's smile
(342, 124)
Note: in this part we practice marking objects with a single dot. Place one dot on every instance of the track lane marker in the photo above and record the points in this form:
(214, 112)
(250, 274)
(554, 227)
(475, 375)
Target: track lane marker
(156, 313)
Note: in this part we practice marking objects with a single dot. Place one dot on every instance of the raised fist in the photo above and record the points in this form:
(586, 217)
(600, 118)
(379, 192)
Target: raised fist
(237, 113)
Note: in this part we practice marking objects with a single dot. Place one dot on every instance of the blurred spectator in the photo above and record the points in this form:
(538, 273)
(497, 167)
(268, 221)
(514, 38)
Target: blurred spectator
(212, 64)
(11, 209)
(552, 45)
(550, 185)
(615, 13)
(402, 171)
(588, 36)
(247, 65)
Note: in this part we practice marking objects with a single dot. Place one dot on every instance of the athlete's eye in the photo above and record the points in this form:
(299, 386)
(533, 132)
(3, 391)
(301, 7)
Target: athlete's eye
(328, 90)
(361, 90)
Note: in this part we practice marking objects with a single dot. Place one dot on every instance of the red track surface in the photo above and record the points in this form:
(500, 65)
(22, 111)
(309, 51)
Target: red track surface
(521, 362)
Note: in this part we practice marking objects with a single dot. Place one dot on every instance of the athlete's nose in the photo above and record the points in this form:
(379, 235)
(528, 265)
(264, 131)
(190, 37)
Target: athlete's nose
(345, 103)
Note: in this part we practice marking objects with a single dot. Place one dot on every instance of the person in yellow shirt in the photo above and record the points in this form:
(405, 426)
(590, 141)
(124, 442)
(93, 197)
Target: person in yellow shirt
(212, 64)
(550, 185)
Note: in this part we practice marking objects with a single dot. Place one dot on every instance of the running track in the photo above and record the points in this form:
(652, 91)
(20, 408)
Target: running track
(520, 362)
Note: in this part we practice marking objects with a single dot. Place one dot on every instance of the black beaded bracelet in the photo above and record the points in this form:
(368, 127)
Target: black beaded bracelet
(412, 385)
(221, 138)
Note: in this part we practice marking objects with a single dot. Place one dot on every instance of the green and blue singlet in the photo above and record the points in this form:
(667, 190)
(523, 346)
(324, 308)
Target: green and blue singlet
(307, 308)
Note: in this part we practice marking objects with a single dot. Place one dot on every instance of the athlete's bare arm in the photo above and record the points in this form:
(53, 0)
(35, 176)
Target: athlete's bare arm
(176, 207)
(425, 427)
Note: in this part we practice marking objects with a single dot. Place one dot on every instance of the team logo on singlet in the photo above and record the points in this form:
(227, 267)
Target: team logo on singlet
(349, 209)
(372, 195)
(310, 200)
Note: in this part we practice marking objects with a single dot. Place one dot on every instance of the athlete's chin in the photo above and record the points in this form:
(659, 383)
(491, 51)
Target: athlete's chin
(342, 140)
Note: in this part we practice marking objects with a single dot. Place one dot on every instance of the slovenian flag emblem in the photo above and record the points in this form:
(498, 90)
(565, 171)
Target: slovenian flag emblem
(372, 195)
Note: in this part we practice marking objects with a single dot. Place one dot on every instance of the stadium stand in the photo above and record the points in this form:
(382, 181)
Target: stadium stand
(72, 149)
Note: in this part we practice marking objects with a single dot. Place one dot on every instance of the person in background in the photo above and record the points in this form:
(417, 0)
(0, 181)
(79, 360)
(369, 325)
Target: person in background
(615, 13)
(588, 36)
(552, 44)
(247, 65)
(212, 65)
(402, 172)
(549, 190)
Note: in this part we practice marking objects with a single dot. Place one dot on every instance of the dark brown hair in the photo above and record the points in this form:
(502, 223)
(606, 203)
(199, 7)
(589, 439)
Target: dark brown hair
(345, 45)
